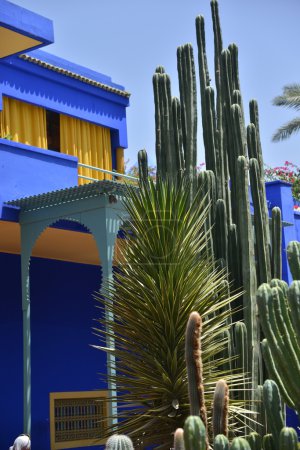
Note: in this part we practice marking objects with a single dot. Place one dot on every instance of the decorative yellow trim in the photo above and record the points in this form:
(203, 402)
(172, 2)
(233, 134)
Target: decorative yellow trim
(101, 395)
(68, 73)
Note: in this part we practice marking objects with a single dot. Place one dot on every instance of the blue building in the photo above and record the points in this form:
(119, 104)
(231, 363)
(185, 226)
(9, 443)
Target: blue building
(59, 123)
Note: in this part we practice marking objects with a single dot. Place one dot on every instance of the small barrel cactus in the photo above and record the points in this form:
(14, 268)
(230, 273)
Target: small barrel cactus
(288, 439)
(119, 442)
(194, 433)
(239, 443)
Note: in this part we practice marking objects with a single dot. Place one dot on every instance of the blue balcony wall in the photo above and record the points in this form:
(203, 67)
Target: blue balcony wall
(63, 312)
(26, 170)
(44, 87)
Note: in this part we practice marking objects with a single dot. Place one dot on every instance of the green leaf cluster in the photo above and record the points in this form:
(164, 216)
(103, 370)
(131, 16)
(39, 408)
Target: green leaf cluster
(165, 274)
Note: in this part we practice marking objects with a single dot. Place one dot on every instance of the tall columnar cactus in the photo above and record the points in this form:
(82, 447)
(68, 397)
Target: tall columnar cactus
(279, 313)
(220, 409)
(293, 253)
(188, 100)
(143, 165)
(273, 407)
(231, 151)
(276, 243)
(194, 366)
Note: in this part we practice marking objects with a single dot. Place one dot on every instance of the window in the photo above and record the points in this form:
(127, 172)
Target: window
(53, 130)
(77, 419)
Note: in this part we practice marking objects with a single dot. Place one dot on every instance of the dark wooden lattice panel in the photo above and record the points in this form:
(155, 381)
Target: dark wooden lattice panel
(77, 418)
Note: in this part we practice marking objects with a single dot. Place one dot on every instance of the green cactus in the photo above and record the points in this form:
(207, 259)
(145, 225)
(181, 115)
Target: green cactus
(188, 101)
(279, 318)
(231, 239)
(293, 254)
(178, 144)
(194, 366)
(261, 226)
(268, 442)
(143, 165)
(288, 439)
(239, 443)
(276, 243)
(220, 409)
(273, 407)
(248, 268)
(194, 434)
(254, 440)
(164, 120)
(119, 442)
(221, 442)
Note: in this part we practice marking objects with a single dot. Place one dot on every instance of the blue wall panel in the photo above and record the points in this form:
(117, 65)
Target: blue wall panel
(32, 83)
(63, 313)
(27, 170)
(11, 404)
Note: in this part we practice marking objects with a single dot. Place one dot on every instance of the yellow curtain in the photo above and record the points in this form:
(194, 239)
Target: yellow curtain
(23, 122)
(90, 143)
(120, 160)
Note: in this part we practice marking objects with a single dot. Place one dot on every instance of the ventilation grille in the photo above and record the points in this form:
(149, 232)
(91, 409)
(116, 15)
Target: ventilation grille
(77, 418)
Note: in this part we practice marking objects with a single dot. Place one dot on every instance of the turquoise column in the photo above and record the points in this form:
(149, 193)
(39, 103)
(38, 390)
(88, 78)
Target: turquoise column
(103, 221)
(28, 238)
(105, 233)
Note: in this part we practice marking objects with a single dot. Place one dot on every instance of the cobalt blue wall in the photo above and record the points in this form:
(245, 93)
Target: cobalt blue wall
(11, 405)
(32, 83)
(26, 22)
(63, 313)
(279, 194)
(27, 170)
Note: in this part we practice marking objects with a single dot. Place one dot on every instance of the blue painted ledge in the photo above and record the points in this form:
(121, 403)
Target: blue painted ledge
(27, 170)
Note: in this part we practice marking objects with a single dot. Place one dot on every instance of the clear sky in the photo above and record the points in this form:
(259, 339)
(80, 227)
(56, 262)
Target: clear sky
(127, 39)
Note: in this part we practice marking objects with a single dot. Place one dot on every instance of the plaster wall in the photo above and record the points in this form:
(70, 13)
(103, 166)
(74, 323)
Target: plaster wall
(63, 313)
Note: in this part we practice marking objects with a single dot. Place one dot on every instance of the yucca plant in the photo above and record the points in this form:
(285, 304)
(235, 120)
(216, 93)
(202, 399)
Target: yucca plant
(165, 274)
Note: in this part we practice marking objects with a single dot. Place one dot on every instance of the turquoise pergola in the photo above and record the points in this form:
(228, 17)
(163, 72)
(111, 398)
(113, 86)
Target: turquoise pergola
(98, 207)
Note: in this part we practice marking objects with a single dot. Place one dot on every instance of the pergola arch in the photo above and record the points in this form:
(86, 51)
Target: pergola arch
(96, 206)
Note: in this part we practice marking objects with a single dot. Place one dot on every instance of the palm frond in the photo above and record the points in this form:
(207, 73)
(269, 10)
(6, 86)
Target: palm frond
(286, 130)
(290, 97)
(165, 274)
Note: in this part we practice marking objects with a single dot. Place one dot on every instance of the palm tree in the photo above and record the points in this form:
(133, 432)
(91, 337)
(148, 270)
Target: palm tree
(290, 99)
(165, 273)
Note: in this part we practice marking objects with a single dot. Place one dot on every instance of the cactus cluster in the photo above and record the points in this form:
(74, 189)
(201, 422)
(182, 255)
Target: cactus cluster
(233, 154)
(197, 433)
(194, 438)
(279, 312)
